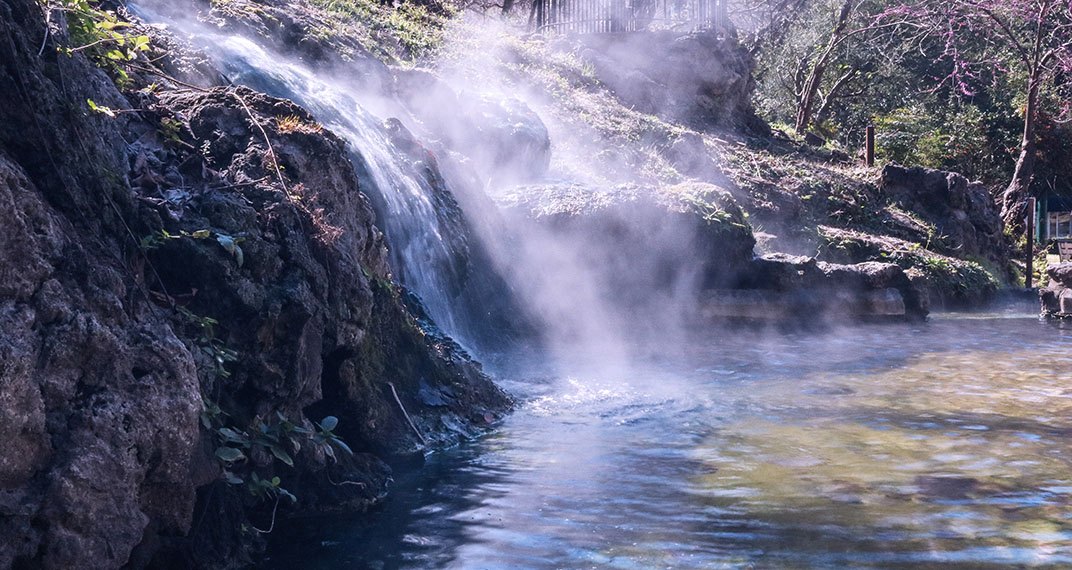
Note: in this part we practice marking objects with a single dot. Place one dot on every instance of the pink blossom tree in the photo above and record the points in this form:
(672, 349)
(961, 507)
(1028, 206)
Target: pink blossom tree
(1028, 39)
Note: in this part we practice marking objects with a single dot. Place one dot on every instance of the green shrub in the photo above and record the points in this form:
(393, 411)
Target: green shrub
(958, 139)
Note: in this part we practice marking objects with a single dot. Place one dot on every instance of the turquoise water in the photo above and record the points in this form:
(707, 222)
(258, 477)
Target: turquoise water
(938, 445)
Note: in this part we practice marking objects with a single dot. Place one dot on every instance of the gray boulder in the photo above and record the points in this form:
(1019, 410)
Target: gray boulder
(1057, 296)
(967, 221)
(785, 287)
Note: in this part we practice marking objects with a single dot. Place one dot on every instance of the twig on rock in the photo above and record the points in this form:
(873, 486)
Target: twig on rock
(163, 75)
(408, 419)
(355, 483)
(271, 149)
(48, 28)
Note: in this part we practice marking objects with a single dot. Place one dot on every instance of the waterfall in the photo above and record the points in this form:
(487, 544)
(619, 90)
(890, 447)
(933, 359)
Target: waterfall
(417, 219)
(411, 218)
(477, 277)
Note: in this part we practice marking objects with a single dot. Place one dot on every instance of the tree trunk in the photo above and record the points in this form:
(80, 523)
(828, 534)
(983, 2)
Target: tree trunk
(1014, 199)
(810, 90)
(806, 101)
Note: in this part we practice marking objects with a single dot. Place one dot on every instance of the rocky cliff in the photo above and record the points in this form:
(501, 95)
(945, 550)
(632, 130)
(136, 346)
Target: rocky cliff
(196, 320)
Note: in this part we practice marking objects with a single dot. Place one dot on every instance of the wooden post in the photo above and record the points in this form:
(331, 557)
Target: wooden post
(869, 147)
(1030, 242)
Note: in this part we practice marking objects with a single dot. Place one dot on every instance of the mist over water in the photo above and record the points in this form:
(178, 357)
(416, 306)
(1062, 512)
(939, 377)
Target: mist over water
(597, 297)
(940, 445)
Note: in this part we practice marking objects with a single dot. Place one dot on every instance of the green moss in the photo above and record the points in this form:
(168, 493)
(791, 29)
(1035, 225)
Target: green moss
(716, 206)
(953, 280)
(958, 279)
(238, 9)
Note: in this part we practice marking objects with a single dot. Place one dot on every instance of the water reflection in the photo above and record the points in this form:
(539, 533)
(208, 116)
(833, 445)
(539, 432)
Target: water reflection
(942, 445)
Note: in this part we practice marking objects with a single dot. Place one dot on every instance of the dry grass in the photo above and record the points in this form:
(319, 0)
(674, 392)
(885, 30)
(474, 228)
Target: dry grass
(294, 124)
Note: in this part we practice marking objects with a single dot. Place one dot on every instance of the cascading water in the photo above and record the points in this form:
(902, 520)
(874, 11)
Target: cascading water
(409, 215)
(412, 213)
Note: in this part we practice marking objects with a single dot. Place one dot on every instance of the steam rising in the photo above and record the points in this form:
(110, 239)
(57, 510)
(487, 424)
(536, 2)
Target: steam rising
(590, 293)
(602, 282)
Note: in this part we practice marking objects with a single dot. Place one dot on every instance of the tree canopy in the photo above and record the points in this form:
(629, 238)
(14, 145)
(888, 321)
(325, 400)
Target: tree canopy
(981, 86)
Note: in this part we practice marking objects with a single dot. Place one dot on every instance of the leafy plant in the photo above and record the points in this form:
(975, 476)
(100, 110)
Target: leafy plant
(106, 111)
(228, 242)
(268, 488)
(171, 128)
(211, 413)
(326, 437)
(101, 36)
(282, 438)
(210, 345)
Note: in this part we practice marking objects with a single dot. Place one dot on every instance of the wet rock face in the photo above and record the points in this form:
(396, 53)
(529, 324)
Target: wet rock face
(1057, 296)
(967, 220)
(696, 78)
(453, 225)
